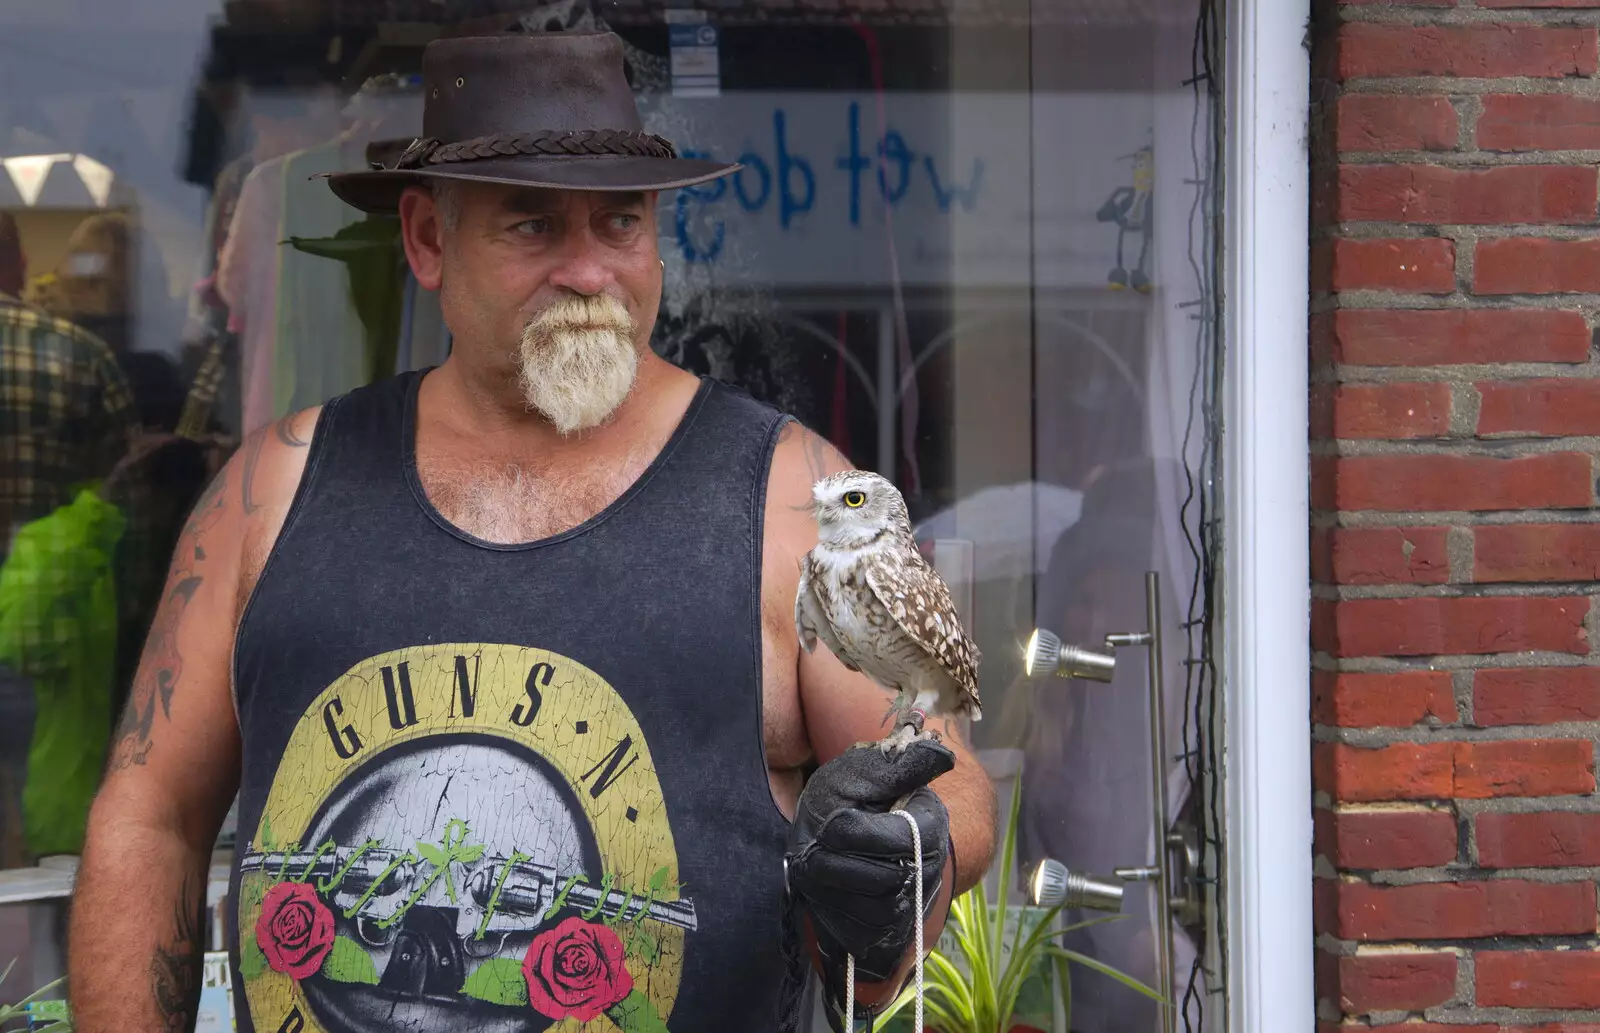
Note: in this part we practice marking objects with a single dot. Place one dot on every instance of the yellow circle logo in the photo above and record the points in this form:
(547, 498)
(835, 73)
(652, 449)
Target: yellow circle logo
(463, 836)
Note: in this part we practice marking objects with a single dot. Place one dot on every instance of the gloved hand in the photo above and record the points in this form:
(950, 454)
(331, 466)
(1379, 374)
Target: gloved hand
(849, 858)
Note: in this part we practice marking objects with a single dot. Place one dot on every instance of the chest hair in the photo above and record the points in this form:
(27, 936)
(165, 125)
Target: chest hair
(508, 503)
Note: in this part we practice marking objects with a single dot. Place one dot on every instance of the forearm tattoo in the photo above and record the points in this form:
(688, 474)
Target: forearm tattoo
(161, 663)
(175, 969)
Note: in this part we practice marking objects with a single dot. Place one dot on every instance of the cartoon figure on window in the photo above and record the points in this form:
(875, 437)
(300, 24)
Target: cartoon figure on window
(1130, 208)
(380, 892)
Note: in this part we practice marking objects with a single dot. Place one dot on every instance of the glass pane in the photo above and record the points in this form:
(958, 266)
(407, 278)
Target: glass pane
(969, 244)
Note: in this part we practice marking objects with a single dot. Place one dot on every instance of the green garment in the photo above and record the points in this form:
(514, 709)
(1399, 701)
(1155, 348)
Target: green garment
(58, 627)
(335, 332)
(373, 258)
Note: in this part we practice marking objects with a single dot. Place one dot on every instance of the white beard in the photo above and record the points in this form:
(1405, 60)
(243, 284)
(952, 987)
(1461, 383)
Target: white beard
(577, 361)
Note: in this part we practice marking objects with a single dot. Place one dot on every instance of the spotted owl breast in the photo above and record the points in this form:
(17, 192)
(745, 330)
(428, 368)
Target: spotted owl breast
(866, 632)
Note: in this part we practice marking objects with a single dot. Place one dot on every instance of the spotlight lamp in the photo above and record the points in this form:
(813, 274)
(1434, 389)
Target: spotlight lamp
(1045, 654)
(1053, 883)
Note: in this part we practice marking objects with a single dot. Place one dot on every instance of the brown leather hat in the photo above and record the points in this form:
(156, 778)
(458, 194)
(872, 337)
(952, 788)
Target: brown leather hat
(550, 109)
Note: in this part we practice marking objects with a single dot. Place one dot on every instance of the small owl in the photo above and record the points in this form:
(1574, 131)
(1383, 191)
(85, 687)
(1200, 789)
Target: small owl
(881, 608)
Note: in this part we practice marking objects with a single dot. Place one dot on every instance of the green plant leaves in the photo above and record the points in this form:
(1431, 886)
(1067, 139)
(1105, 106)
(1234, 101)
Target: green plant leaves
(1106, 970)
(498, 981)
(976, 989)
(348, 963)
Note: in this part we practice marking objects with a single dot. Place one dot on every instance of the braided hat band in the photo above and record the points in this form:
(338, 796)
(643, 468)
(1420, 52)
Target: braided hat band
(549, 142)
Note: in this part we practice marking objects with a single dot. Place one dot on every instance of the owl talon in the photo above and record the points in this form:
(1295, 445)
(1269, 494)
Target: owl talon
(900, 739)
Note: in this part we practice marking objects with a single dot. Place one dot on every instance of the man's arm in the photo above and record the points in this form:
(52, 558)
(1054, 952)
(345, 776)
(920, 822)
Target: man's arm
(843, 707)
(137, 928)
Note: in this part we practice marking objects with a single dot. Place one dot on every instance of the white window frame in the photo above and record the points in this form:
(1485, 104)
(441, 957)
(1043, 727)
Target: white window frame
(1266, 555)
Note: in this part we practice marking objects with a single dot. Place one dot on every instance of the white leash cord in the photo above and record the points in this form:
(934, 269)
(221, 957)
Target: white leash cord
(850, 960)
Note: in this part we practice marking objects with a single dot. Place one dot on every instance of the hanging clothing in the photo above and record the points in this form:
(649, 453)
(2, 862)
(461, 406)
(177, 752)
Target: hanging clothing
(336, 330)
(58, 629)
(247, 279)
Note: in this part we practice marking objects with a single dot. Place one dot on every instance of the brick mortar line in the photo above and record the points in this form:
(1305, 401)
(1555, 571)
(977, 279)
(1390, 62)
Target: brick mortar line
(1407, 301)
(1437, 876)
(1462, 687)
(1467, 590)
(1374, 518)
(1475, 809)
(1375, 299)
(1464, 374)
(1509, 1016)
(1465, 17)
(1423, 735)
(1471, 809)
(1484, 448)
(1323, 661)
(1467, 944)
(1460, 233)
(1469, 111)
(1463, 86)
(1475, 159)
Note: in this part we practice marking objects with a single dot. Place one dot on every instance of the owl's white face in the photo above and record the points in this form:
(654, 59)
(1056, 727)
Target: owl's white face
(856, 506)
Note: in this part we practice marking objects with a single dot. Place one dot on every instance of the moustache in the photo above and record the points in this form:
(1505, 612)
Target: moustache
(578, 313)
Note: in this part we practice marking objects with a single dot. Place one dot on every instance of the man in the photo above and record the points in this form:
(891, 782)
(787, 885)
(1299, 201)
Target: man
(518, 715)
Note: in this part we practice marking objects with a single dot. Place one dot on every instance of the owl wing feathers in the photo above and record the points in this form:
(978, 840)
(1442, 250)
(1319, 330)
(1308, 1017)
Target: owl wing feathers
(811, 620)
(914, 594)
(803, 627)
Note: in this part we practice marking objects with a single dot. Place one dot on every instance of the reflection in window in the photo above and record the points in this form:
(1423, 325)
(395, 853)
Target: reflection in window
(968, 245)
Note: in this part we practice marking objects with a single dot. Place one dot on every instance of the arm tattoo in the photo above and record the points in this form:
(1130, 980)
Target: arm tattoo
(286, 434)
(175, 969)
(283, 430)
(817, 449)
(161, 662)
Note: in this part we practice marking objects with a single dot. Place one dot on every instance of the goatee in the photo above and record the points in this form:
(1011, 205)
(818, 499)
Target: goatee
(578, 361)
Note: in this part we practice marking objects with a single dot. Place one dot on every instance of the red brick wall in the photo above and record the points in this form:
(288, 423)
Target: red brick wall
(1455, 430)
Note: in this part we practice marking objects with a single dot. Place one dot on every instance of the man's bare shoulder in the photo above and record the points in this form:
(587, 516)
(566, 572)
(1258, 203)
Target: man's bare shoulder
(270, 465)
(801, 458)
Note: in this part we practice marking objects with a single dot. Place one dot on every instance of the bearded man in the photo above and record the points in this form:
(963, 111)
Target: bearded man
(500, 656)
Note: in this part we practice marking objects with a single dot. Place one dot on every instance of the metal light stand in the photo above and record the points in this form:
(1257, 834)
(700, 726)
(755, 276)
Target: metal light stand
(1177, 860)
(1159, 872)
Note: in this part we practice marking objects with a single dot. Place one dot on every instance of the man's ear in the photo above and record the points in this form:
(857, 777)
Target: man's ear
(423, 234)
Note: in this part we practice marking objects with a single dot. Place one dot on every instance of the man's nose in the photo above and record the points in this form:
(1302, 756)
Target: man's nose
(583, 267)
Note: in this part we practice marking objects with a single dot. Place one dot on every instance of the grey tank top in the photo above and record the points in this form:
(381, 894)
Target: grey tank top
(508, 788)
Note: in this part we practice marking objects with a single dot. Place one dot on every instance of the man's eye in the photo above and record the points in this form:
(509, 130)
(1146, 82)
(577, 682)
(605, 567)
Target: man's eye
(622, 222)
(534, 226)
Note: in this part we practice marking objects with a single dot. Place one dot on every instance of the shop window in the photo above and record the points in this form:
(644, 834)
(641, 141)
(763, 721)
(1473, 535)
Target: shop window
(969, 245)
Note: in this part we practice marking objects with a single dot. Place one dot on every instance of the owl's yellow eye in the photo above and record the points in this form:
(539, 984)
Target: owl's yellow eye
(855, 499)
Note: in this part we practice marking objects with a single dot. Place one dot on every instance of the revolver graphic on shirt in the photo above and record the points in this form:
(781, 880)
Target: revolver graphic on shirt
(496, 894)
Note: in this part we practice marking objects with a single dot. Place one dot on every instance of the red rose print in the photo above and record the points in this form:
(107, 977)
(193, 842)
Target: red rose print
(295, 930)
(576, 970)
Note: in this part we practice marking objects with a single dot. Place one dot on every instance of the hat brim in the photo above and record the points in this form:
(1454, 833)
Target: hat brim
(379, 190)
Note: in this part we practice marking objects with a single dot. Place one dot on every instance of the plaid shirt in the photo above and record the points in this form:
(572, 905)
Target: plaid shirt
(67, 417)
(66, 414)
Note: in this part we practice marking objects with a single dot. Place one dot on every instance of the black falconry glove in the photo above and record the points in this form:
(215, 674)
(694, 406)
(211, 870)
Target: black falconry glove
(849, 862)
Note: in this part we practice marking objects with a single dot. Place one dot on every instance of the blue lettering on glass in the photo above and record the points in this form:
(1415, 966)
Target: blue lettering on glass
(893, 149)
(790, 206)
(708, 193)
(752, 163)
(796, 186)
(855, 163)
(967, 195)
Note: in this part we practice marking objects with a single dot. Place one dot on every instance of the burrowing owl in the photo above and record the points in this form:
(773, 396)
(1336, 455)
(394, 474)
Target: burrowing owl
(868, 594)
